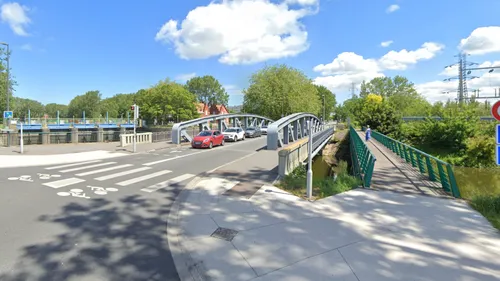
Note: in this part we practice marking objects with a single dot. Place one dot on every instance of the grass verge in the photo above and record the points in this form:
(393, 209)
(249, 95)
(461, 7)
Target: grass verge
(489, 207)
(295, 182)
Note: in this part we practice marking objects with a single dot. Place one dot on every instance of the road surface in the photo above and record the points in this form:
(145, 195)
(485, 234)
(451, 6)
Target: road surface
(102, 219)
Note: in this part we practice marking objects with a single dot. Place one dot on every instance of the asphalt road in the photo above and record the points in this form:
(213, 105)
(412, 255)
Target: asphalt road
(104, 220)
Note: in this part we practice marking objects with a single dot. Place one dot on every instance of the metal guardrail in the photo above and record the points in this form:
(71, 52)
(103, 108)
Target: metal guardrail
(290, 129)
(179, 129)
(320, 139)
(426, 164)
(363, 160)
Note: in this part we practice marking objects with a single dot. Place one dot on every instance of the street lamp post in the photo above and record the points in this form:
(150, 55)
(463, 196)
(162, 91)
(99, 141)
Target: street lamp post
(7, 91)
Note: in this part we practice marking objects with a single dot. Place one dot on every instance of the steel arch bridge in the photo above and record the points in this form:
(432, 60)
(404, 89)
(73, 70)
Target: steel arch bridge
(291, 128)
(242, 120)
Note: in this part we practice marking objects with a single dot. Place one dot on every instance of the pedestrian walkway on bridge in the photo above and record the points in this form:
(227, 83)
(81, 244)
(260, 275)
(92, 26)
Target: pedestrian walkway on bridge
(393, 173)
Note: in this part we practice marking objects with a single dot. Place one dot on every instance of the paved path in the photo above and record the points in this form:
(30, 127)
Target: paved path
(393, 173)
(100, 219)
(361, 235)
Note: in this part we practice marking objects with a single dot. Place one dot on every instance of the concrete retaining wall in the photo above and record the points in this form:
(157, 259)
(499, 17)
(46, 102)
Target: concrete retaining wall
(292, 156)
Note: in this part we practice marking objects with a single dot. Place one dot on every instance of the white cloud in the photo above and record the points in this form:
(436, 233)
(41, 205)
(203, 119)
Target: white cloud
(386, 43)
(482, 40)
(185, 77)
(16, 17)
(392, 8)
(349, 67)
(302, 2)
(240, 32)
(26, 47)
(453, 70)
(348, 63)
(400, 60)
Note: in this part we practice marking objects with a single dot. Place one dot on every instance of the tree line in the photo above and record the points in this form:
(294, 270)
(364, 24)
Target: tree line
(273, 91)
(459, 137)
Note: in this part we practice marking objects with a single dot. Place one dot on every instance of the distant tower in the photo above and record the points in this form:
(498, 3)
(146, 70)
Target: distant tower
(353, 89)
(462, 77)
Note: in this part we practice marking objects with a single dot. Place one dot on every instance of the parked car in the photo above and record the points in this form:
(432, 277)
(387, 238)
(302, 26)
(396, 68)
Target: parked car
(263, 130)
(234, 134)
(252, 132)
(208, 138)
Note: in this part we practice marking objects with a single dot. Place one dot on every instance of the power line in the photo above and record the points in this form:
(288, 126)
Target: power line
(464, 70)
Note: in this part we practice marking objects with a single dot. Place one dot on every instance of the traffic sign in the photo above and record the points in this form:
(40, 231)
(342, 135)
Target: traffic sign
(498, 155)
(495, 110)
(8, 114)
(498, 134)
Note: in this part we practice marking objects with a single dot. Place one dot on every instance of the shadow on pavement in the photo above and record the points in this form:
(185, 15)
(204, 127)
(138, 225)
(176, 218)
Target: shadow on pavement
(362, 235)
(117, 240)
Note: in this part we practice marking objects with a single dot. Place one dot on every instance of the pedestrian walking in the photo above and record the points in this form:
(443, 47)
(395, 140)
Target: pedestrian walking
(368, 133)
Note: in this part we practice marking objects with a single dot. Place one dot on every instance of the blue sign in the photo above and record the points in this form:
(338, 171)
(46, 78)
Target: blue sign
(8, 114)
(498, 155)
(498, 134)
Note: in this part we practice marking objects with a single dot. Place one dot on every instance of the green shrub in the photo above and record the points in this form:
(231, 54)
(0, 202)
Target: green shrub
(488, 206)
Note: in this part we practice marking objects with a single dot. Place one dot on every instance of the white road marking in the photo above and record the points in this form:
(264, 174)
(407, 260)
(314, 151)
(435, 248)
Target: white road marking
(71, 165)
(87, 167)
(143, 178)
(63, 183)
(234, 161)
(103, 170)
(170, 159)
(112, 176)
(166, 183)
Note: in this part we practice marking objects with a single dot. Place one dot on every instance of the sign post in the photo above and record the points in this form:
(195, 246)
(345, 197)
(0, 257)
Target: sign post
(498, 144)
(135, 108)
(22, 139)
(309, 160)
(8, 114)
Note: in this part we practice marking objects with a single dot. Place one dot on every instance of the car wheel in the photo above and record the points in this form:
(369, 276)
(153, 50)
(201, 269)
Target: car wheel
(235, 139)
(222, 143)
(243, 137)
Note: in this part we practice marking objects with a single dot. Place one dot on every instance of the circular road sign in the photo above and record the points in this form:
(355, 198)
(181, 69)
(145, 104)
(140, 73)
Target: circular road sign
(495, 110)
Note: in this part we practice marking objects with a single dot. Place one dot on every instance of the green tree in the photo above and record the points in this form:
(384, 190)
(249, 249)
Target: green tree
(117, 105)
(89, 102)
(279, 90)
(208, 90)
(400, 93)
(21, 107)
(52, 108)
(3, 82)
(380, 116)
(328, 100)
(167, 99)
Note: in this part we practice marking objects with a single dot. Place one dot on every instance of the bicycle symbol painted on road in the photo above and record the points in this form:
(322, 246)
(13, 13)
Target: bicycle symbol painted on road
(75, 192)
(47, 176)
(101, 190)
(21, 178)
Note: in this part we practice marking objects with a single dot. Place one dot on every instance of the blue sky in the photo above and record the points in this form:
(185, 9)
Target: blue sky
(65, 48)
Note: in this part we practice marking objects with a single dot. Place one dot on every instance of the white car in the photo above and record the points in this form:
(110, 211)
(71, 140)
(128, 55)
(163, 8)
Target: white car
(263, 129)
(234, 134)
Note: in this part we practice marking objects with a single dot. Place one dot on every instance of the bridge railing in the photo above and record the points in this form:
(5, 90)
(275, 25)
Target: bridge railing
(426, 164)
(363, 161)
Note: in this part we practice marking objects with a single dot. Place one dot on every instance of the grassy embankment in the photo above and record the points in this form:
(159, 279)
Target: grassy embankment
(337, 155)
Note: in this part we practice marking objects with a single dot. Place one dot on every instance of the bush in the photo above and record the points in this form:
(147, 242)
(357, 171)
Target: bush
(295, 182)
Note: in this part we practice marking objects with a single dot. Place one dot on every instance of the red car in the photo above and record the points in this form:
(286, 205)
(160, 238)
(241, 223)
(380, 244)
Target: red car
(208, 139)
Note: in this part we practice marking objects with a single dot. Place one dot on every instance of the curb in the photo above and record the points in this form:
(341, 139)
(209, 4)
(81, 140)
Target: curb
(187, 268)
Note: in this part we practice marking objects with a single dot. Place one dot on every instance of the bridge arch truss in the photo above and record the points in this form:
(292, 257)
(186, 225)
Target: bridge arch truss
(291, 128)
(224, 121)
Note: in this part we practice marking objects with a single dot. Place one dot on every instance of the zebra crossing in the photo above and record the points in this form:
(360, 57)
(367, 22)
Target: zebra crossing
(117, 174)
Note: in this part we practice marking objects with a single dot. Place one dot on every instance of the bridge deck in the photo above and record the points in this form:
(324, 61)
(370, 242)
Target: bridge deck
(393, 173)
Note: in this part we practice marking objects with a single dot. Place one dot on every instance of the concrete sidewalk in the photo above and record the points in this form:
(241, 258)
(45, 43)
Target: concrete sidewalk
(360, 235)
(51, 149)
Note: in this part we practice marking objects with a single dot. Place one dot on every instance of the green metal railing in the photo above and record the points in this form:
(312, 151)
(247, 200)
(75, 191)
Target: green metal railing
(426, 164)
(363, 161)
